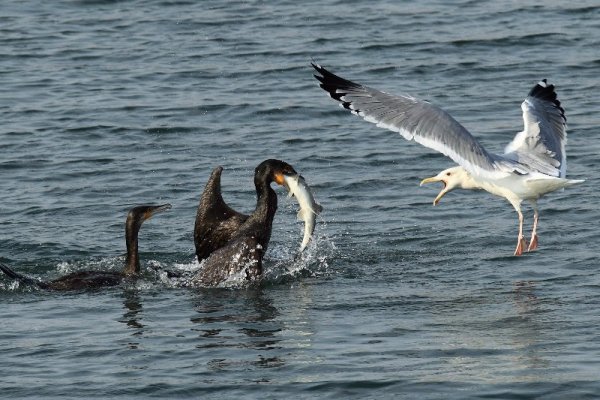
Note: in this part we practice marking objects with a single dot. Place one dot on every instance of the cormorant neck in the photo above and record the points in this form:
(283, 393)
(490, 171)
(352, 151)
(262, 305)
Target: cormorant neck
(260, 222)
(266, 203)
(132, 262)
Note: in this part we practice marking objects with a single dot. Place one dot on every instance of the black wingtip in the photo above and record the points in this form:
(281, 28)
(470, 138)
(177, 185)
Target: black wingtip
(316, 65)
(545, 91)
(323, 73)
(336, 86)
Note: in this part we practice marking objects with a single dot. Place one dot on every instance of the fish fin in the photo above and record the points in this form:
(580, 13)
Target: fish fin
(302, 214)
(305, 213)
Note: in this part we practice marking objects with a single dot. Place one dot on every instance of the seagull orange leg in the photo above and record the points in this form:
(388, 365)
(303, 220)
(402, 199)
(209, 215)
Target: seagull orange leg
(521, 243)
(534, 237)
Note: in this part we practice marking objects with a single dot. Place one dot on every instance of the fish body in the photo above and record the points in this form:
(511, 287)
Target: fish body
(309, 208)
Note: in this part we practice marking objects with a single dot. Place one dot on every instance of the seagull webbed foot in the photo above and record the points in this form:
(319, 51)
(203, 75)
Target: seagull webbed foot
(521, 245)
(533, 244)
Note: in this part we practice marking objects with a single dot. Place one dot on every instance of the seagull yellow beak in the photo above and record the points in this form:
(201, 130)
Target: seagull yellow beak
(442, 192)
(429, 180)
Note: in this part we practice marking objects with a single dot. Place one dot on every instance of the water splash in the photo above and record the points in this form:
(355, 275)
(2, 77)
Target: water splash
(281, 264)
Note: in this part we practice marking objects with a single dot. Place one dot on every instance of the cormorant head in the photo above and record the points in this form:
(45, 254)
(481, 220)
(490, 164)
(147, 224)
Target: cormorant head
(273, 171)
(137, 215)
(135, 218)
(451, 178)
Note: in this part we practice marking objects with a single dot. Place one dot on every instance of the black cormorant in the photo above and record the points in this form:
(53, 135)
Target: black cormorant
(92, 279)
(232, 242)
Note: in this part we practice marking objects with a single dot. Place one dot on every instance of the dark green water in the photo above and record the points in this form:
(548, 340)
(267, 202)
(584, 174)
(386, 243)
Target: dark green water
(109, 104)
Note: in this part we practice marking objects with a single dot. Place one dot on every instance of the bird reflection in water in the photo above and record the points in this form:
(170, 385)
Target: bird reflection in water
(237, 319)
(530, 330)
(524, 292)
(132, 315)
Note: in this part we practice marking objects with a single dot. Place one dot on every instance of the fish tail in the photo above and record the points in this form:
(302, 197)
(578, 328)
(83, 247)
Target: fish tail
(307, 236)
(318, 208)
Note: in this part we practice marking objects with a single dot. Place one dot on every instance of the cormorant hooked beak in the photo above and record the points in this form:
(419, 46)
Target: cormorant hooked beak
(155, 210)
(279, 178)
(442, 192)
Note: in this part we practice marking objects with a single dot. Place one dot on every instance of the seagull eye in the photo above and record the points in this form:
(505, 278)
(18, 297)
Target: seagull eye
(448, 174)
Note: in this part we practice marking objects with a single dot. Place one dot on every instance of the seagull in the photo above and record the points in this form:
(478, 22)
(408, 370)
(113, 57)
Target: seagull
(532, 165)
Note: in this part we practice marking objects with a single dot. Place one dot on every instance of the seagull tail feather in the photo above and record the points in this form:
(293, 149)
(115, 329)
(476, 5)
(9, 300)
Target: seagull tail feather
(547, 185)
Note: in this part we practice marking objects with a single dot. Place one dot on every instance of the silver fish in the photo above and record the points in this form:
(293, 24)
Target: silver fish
(309, 208)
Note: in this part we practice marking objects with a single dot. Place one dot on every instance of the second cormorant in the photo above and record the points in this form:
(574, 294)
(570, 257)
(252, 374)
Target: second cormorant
(93, 279)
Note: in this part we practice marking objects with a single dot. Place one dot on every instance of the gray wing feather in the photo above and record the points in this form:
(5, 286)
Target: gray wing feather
(541, 144)
(415, 120)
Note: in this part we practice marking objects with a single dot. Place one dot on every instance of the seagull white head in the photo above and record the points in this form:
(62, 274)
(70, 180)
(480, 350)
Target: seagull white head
(451, 178)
